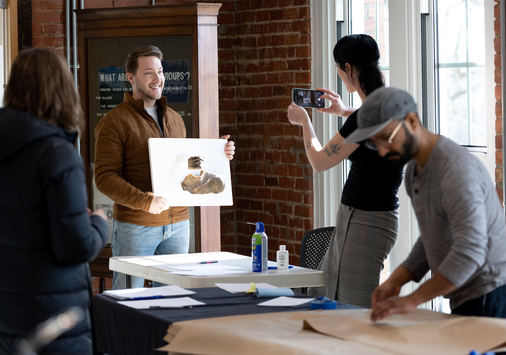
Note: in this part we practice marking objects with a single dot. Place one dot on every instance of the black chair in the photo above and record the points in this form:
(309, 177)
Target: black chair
(314, 246)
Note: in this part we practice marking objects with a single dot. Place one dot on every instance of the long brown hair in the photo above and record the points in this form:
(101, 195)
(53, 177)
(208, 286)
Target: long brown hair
(41, 84)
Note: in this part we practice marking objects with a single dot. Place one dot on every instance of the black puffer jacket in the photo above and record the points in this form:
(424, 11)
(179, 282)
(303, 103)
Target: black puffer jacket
(46, 234)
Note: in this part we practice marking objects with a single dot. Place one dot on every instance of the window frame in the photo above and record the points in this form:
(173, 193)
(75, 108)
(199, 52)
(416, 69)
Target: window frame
(9, 42)
(412, 68)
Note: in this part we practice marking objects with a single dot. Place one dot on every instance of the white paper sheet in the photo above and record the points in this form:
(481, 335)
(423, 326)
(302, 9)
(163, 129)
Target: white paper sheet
(143, 261)
(242, 287)
(284, 301)
(210, 272)
(198, 267)
(163, 303)
(204, 269)
(193, 258)
(148, 292)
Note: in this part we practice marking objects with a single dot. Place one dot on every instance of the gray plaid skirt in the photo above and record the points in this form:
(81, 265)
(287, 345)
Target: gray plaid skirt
(359, 246)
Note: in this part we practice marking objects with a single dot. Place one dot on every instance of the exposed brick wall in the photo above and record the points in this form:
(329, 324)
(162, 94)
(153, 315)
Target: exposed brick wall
(498, 107)
(48, 24)
(264, 51)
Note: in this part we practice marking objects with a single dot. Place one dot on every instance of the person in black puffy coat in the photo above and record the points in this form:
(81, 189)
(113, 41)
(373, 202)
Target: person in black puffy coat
(47, 234)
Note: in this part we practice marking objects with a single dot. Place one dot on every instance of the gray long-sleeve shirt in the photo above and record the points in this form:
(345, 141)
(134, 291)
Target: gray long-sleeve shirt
(462, 225)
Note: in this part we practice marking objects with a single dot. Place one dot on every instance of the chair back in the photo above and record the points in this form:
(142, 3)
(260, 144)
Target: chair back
(314, 246)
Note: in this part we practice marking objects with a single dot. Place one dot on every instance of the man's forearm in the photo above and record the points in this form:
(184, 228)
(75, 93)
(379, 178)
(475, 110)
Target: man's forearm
(438, 285)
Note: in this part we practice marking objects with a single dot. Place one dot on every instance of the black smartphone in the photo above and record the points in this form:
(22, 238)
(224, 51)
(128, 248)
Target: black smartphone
(308, 98)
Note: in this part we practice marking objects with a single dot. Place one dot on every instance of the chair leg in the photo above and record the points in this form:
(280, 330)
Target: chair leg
(101, 285)
(302, 290)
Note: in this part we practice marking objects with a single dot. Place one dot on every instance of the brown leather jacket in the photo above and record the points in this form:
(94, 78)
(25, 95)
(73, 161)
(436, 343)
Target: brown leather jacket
(122, 170)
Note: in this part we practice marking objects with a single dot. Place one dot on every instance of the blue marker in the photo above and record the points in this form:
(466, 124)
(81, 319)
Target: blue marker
(147, 297)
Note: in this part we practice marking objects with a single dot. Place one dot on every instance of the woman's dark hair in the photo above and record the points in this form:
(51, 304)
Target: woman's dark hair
(41, 84)
(362, 52)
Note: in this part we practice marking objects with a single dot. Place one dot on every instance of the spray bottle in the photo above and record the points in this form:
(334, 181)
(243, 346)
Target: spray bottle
(259, 248)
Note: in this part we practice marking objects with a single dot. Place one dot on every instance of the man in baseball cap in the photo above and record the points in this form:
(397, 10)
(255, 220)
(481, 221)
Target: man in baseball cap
(462, 227)
(381, 108)
(386, 107)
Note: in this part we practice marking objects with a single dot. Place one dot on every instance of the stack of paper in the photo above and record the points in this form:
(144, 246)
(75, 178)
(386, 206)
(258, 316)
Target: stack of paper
(148, 293)
(203, 270)
(179, 302)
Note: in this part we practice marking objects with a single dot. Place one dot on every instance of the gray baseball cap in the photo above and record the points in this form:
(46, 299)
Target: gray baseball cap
(379, 109)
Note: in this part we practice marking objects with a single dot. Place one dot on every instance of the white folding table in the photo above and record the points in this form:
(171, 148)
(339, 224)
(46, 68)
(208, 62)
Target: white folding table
(159, 268)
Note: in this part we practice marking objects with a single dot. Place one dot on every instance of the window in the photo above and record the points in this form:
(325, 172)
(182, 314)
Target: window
(461, 71)
(436, 57)
(371, 17)
(8, 43)
(332, 20)
(460, 80)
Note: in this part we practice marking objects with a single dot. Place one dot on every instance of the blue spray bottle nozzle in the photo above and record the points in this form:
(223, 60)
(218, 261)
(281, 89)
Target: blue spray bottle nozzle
(259, 227)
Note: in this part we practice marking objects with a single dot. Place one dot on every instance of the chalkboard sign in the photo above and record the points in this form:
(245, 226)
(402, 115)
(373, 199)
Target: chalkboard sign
(107, 77)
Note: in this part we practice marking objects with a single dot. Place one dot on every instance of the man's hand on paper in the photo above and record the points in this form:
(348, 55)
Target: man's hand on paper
(385, 290)
(393, 305)
(158, 205)
(385, 300)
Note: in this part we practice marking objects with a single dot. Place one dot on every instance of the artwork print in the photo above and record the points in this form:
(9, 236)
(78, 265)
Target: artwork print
(190, 172)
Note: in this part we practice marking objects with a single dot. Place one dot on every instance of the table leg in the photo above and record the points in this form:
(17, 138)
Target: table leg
(128, 281)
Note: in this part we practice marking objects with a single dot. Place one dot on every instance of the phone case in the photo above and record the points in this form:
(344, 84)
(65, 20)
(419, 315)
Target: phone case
(308, 98)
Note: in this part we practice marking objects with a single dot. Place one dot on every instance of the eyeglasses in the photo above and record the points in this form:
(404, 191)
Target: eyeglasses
(373, 145)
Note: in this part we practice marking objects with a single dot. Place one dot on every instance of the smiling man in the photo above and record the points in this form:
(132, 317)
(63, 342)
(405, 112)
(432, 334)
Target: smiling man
(462, 225)
(143, 224)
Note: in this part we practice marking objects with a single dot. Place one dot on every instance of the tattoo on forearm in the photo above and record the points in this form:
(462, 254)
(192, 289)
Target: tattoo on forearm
(332, 149)
(309, 145)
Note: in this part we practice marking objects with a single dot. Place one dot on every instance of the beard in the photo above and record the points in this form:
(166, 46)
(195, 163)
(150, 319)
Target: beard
(408, 147)
(149, 94)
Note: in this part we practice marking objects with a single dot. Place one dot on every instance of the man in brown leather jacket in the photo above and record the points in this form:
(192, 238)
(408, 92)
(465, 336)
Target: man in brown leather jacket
(143, 223)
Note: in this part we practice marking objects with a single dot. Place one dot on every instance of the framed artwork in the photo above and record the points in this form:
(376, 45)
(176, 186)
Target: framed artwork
(190, 172)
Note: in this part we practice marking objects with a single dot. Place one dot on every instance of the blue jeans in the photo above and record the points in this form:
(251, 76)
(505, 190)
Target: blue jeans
(493, 304)
(134, 240)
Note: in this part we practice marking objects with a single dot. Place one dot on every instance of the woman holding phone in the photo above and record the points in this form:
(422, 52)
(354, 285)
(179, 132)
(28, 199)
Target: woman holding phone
(367, 222)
